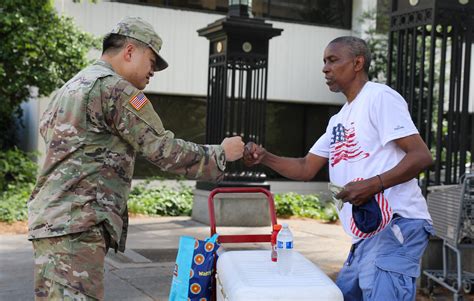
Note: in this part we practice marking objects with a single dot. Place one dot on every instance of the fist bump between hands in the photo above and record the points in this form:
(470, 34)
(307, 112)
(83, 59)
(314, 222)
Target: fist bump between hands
(253, 154)
(233, 148)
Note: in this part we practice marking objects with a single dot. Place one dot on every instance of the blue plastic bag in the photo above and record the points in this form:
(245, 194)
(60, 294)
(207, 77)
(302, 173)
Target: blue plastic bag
(192, 276)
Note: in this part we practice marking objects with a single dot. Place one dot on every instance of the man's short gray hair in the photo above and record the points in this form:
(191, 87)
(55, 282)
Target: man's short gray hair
(357, 47)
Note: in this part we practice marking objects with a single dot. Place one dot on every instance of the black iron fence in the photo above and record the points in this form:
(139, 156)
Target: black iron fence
(429, 64)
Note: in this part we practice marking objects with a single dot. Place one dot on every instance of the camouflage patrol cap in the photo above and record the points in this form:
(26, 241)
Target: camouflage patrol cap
(139, 29)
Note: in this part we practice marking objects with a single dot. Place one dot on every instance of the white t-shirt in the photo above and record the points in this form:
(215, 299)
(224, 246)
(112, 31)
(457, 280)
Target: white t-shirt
(359, 145)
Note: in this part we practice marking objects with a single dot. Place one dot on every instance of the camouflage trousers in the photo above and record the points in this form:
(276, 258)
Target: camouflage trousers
(71, 267)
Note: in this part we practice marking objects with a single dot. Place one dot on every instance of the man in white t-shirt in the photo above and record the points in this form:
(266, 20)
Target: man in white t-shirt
(374, 152)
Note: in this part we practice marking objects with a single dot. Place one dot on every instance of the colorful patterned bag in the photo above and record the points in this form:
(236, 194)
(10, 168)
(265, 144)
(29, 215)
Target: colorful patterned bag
(194, 268)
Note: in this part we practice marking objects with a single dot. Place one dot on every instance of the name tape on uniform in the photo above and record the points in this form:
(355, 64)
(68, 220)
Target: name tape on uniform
(138, 101)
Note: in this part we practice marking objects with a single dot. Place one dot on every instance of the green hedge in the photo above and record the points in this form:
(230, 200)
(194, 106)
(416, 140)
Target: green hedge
(293, 204)
(17, 177)
(16, 168)
(13, 203)
(166, 201)
(161, 200)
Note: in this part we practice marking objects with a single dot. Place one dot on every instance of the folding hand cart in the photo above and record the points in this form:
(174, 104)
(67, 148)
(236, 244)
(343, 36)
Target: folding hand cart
(251, 275)
(249, 238)
(452, 211)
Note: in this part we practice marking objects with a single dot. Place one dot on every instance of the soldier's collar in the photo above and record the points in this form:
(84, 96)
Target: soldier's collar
(104, 64)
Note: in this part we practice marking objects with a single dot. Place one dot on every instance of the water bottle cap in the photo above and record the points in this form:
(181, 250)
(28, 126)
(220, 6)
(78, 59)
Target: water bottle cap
(284, 225)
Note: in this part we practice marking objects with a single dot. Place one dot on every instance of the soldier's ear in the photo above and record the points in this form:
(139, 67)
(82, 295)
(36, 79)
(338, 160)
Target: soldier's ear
(127, 52)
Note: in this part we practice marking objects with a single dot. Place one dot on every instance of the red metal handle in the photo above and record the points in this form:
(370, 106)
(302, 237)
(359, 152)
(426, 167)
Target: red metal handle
(241, 238)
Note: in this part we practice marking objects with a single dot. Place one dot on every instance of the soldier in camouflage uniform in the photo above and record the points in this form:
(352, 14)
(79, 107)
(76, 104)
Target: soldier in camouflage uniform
(93, 129)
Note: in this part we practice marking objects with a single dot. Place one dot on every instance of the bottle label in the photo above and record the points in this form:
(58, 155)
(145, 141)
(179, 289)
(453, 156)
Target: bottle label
(274, 253)
(285, 245)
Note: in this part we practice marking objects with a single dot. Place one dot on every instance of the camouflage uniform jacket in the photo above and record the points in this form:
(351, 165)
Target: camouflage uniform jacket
(93, 128)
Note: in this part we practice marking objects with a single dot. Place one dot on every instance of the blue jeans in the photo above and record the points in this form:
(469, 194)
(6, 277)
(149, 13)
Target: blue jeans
(385, 267)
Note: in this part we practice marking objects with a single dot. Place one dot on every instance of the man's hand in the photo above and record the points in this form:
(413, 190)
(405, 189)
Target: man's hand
(359, 192)
(233, 148)
(417, 158)
(253, 154)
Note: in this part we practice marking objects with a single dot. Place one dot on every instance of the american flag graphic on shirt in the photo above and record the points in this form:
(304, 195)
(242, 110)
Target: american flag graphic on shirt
(138, 101)
(344, 145)
(387, 214)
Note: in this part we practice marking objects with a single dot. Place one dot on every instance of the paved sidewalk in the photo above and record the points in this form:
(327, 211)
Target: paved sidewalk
(144, 271)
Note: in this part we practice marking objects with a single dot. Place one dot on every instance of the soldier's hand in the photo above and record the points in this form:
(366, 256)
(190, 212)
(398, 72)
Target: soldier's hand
(253, 154)
(233, 148)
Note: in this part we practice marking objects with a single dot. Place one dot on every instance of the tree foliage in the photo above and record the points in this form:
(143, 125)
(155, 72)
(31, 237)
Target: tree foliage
(17, 178)
(38, 48)
(377, 41)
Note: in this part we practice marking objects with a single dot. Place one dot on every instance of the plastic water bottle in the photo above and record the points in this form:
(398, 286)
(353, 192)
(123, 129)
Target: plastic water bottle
(284, 250)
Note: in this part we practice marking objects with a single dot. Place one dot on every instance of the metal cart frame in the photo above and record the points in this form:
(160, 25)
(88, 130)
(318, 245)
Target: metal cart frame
(452, 210)
(246, 238)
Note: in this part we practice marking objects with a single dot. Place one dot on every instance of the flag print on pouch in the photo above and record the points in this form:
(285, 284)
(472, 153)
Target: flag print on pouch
(371, 217)
(344, 145)
(194, 268)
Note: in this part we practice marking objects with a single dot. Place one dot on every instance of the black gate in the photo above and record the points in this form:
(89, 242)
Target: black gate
(429, 64)
(237, 92)
(237, 83)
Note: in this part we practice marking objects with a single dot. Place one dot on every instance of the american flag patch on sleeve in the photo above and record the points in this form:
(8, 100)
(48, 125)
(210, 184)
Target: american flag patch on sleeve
(138, 101)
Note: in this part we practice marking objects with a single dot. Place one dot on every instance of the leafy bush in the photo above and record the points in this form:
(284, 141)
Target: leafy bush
(166, 201)
(18, 173)
(293, 204)
(17, 177)
(161, 200)
(13, 203)
(16, 168)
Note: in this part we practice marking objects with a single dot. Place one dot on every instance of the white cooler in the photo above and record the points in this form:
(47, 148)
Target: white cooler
(251, 275)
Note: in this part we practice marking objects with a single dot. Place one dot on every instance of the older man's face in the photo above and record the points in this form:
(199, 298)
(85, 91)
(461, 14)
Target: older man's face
(338, 67)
